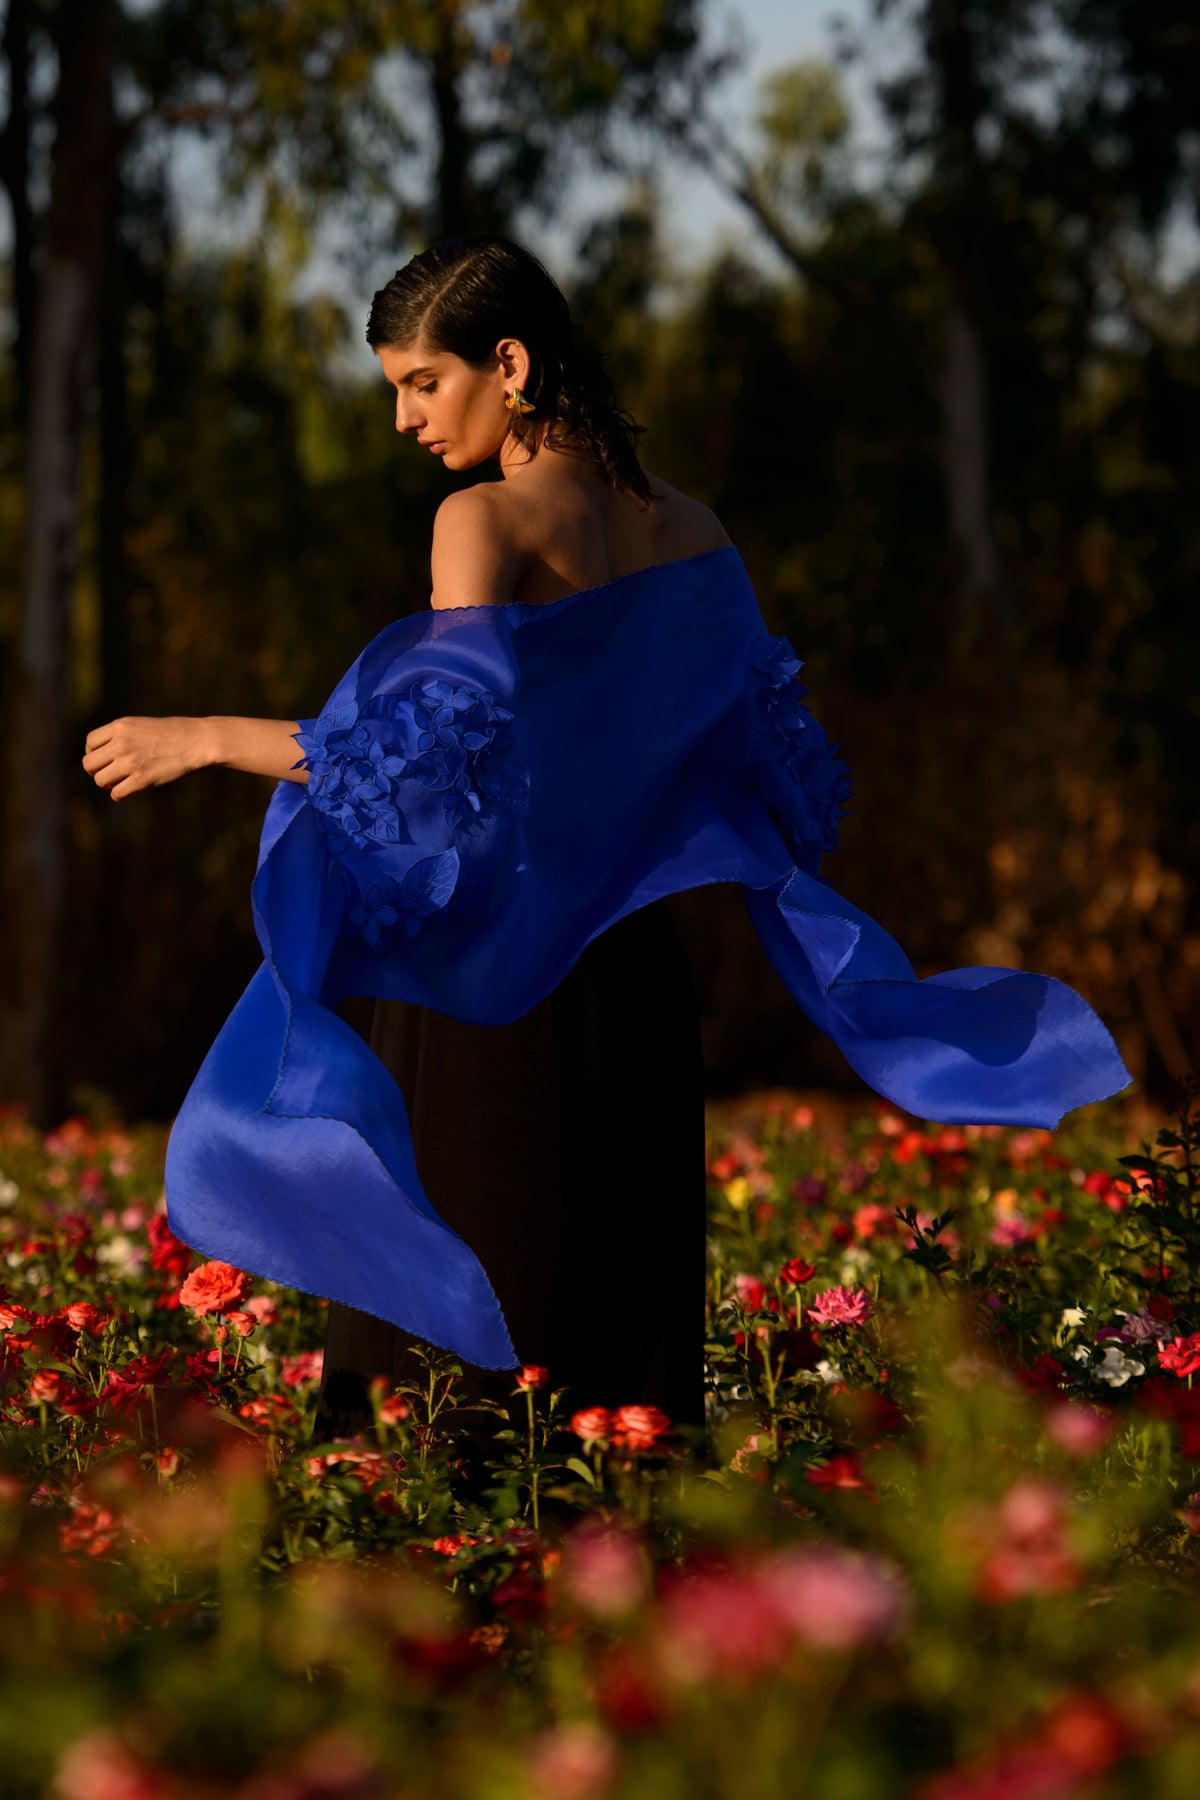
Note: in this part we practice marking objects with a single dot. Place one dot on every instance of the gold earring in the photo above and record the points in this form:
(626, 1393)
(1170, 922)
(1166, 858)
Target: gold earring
(516, 402)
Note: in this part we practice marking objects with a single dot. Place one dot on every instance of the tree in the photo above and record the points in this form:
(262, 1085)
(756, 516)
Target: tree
(63, 350)
(306, 107)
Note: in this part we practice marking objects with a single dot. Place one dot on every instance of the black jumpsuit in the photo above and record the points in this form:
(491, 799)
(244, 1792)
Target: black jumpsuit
(567, 1149)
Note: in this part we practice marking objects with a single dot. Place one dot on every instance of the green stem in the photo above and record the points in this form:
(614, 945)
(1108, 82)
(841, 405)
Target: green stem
(533, 1469)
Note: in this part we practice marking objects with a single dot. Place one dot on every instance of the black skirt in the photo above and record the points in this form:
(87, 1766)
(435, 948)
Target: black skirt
(567, 1149)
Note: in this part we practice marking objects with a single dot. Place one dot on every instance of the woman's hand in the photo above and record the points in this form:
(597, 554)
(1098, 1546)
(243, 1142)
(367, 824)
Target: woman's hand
(129, 754)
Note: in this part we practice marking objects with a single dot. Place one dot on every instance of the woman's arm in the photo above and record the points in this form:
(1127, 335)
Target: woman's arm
(129, 754)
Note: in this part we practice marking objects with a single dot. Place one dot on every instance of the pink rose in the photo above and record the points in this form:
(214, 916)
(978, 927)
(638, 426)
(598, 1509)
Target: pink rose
(838, 1306)
(305, 1365)
(264, 1309)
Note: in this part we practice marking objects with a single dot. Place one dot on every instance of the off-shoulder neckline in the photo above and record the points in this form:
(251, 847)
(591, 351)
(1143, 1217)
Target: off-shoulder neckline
(602, 587)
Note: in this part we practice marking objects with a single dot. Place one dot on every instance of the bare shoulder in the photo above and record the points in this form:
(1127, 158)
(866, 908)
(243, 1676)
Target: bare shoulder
(689, 527)
(474, 560)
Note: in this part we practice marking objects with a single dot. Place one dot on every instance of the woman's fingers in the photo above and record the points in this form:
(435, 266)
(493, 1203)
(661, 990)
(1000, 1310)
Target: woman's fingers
(114, 751)
(129, 754)
(108, 774)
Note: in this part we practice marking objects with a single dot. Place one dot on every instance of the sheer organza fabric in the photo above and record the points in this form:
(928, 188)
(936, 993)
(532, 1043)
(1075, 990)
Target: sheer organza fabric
(490, 788)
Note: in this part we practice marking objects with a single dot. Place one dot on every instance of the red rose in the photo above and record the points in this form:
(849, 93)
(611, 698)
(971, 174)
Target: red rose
(1181, 1355)
(215, 1287)
(841, 1470)
(167, 1252)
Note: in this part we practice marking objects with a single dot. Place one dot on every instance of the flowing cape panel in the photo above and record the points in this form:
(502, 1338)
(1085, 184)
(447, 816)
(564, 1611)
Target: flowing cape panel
(489, 789)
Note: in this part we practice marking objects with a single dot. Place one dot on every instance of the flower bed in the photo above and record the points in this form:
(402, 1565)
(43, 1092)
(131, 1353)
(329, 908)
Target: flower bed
(938, 1541)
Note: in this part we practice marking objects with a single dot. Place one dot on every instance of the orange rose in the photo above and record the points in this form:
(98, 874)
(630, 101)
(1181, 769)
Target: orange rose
(215, 1287)
(83, 1316)
(592, 1422)
(639, 1427)
(48, 1385)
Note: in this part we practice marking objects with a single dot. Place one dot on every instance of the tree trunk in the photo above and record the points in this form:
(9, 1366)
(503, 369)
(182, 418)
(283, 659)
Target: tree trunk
(14, 174)
(451, 205)
(41, 760)
(961, 236)
(965, 461)
(116, 468)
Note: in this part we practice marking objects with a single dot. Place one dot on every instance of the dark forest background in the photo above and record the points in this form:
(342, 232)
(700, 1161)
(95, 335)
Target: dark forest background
(955, 432)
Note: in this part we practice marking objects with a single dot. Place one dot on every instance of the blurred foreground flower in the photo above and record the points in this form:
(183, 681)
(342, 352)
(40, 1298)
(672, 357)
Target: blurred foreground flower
(1078, 1429)
(605, 1568)
(98, 1766)
(836, 1597)
(576, 1760)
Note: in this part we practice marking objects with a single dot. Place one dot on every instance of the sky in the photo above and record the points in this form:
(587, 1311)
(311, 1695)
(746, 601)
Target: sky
(697, 217)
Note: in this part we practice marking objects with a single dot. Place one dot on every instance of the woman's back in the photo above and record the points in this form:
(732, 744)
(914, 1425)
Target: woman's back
(554, 527)
(572, 531)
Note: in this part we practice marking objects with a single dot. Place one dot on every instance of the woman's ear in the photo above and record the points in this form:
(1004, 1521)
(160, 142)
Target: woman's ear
(514, 361)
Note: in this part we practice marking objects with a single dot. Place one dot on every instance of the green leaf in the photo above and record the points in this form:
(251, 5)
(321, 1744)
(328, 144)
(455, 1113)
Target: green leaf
(577, 1464)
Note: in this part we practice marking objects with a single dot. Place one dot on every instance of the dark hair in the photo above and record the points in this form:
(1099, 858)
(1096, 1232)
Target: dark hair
(463, 294)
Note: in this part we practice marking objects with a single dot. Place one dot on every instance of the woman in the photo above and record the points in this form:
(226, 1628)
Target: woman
(567, 1147)
(500, 794)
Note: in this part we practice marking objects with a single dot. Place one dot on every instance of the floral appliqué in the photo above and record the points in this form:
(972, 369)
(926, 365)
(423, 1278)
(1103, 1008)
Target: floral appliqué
(424, 890)
(352, 778)
(464, 751)
(806, 783)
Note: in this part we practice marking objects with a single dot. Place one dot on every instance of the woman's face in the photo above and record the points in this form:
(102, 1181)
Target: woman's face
(454, 411)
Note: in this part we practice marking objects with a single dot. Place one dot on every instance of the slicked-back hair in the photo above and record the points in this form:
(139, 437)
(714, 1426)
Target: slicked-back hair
(461, 295)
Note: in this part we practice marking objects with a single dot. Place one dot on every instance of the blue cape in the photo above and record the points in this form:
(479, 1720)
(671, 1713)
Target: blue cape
(490, 788)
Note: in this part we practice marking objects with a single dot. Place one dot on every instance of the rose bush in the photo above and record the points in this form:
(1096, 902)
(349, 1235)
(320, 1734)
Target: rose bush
(939, 1540)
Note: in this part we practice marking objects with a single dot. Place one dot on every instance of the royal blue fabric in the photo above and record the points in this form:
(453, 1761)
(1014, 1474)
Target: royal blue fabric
(490, 788)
